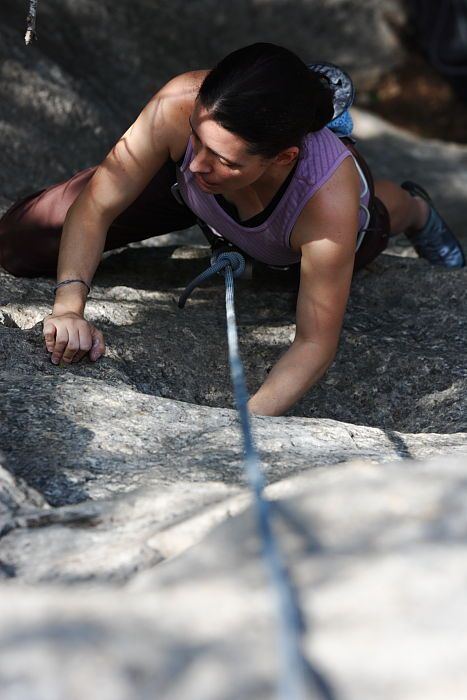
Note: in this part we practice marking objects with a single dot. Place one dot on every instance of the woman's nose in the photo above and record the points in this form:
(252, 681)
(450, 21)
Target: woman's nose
(199, 164)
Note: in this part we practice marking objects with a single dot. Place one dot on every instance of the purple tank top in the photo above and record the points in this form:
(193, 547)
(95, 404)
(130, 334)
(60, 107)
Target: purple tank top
(321, 154)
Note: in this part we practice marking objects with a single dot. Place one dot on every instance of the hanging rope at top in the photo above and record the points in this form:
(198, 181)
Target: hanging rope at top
(31, 23)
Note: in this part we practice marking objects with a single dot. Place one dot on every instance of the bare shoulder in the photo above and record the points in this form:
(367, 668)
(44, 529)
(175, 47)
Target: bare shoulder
(184, 84)
(161, 131)
(330, 217)
(166, 114)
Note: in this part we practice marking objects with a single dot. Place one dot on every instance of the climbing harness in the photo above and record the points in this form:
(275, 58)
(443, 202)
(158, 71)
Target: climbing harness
(298, 677)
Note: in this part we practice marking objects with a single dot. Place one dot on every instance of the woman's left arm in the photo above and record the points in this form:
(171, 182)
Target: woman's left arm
(326, 234)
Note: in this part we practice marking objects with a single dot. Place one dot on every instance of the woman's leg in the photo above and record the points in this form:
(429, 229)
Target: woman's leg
(30, 230)
(405, 212)
(412, 211)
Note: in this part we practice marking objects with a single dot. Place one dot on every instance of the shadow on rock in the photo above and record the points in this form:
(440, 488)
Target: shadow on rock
(400, 364)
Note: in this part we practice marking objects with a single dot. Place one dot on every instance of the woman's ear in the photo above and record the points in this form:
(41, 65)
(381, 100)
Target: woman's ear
(287, 156)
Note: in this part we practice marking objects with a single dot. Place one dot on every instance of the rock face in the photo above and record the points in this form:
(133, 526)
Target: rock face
(162, 388)
(129, 554)
(377, 556)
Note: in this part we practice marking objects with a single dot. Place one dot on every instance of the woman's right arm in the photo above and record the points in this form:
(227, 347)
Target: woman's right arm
(160, 132)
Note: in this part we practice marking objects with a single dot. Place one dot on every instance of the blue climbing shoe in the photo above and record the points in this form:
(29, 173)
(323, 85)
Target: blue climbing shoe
(435, 241)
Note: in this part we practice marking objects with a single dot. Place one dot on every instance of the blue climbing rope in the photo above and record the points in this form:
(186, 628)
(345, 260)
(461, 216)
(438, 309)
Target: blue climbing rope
(298, 678)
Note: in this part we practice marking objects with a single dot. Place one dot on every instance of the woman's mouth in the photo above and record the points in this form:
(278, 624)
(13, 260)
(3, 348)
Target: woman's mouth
(203, 183)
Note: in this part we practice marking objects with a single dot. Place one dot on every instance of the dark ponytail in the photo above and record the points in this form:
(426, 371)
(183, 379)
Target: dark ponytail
(266, 95)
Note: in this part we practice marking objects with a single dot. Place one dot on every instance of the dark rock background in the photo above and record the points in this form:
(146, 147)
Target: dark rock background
(65, 99)
(112, 471)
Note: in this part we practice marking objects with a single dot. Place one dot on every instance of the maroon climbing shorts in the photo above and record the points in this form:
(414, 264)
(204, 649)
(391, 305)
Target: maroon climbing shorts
(30, 230)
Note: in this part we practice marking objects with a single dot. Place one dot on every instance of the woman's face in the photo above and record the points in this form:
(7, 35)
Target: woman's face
(221, 161)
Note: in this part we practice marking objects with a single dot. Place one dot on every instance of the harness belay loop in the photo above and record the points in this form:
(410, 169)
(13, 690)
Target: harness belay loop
(219, 261)
(232, 258)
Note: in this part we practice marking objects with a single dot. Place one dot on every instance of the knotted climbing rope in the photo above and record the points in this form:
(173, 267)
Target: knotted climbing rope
(298, 679)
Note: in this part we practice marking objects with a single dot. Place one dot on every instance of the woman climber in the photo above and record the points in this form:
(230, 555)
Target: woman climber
(247, 144)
